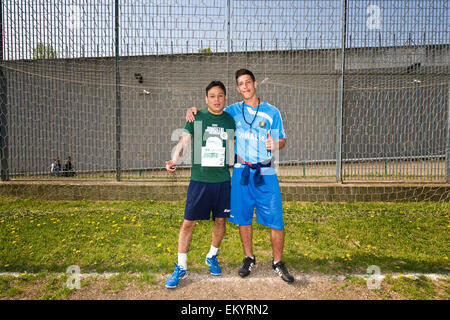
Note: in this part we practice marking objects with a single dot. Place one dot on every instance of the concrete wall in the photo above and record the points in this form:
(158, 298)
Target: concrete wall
(177, 192)
(67, 106)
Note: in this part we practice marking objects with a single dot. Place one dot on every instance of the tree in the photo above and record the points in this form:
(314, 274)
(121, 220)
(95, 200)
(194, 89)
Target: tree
(205, 51)
(43, 51)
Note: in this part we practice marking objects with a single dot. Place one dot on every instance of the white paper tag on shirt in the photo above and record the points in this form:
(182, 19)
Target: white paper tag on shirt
(213, 156)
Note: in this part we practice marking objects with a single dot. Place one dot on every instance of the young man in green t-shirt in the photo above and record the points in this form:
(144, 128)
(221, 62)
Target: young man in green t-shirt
(212, 133)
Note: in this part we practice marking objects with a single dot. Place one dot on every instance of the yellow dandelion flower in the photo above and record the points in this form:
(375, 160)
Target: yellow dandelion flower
(159, 245)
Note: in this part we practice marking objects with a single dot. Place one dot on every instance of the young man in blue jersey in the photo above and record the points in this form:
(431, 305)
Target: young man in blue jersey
(259, 132)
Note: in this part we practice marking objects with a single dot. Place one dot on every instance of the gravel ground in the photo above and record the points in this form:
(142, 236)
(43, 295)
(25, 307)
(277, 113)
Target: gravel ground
(262, 284)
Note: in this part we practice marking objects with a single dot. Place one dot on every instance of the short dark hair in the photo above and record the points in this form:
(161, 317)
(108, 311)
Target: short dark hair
(242, 72)
(216, 84)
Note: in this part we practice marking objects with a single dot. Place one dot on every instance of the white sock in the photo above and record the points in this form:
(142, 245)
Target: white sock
(182, 260)
(212, 252)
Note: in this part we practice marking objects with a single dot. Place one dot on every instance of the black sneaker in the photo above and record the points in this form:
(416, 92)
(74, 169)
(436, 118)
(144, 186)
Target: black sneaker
(281, 270)
(247, 266)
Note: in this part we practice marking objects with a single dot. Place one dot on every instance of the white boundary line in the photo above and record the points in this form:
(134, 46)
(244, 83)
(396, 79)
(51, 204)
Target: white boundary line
(208, 277)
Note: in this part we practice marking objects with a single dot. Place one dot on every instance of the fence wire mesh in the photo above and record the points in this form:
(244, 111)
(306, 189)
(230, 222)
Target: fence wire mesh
(362, 87)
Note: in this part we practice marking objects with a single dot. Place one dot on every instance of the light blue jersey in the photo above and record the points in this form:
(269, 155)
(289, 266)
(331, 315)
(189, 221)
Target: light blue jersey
(251, 142)
(247, 192)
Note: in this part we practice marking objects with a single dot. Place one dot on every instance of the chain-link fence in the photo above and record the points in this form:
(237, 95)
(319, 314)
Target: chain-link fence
(362, 86)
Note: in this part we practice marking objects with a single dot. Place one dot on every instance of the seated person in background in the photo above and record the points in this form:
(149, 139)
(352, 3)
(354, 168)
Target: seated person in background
(68, 168)
(55, 170)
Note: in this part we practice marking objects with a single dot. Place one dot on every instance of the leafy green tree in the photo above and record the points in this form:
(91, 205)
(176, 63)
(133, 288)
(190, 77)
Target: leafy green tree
(43, 51)
(205, 51)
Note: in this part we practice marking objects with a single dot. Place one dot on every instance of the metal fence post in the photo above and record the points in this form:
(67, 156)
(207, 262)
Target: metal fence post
(339, 132)
(3, 110)
(118, 98)
(340, 102)
(447, 155)
(228, 40)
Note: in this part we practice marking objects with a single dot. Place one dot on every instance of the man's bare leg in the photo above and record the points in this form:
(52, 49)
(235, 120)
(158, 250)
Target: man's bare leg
(218, 232)
(185, 236)
(246, 233)
(277, 238)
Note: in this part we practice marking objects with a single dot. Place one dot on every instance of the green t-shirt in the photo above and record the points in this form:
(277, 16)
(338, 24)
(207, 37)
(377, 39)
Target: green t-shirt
(212, 136)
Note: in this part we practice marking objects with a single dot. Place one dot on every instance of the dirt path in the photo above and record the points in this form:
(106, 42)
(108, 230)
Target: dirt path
(262, 284)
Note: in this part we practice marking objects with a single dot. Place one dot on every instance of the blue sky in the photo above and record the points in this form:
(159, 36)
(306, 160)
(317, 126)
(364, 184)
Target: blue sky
(77, 28)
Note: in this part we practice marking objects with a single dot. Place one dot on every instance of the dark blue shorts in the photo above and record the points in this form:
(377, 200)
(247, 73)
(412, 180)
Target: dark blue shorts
(206, 197)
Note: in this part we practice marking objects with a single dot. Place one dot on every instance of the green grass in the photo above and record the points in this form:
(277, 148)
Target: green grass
(404, 287)
(141, 236)
(420, 288)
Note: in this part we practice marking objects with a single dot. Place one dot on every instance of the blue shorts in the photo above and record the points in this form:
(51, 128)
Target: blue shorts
(266, 199)
(206, 197)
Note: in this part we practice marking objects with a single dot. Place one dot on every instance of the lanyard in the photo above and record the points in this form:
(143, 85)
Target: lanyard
(243, 114)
